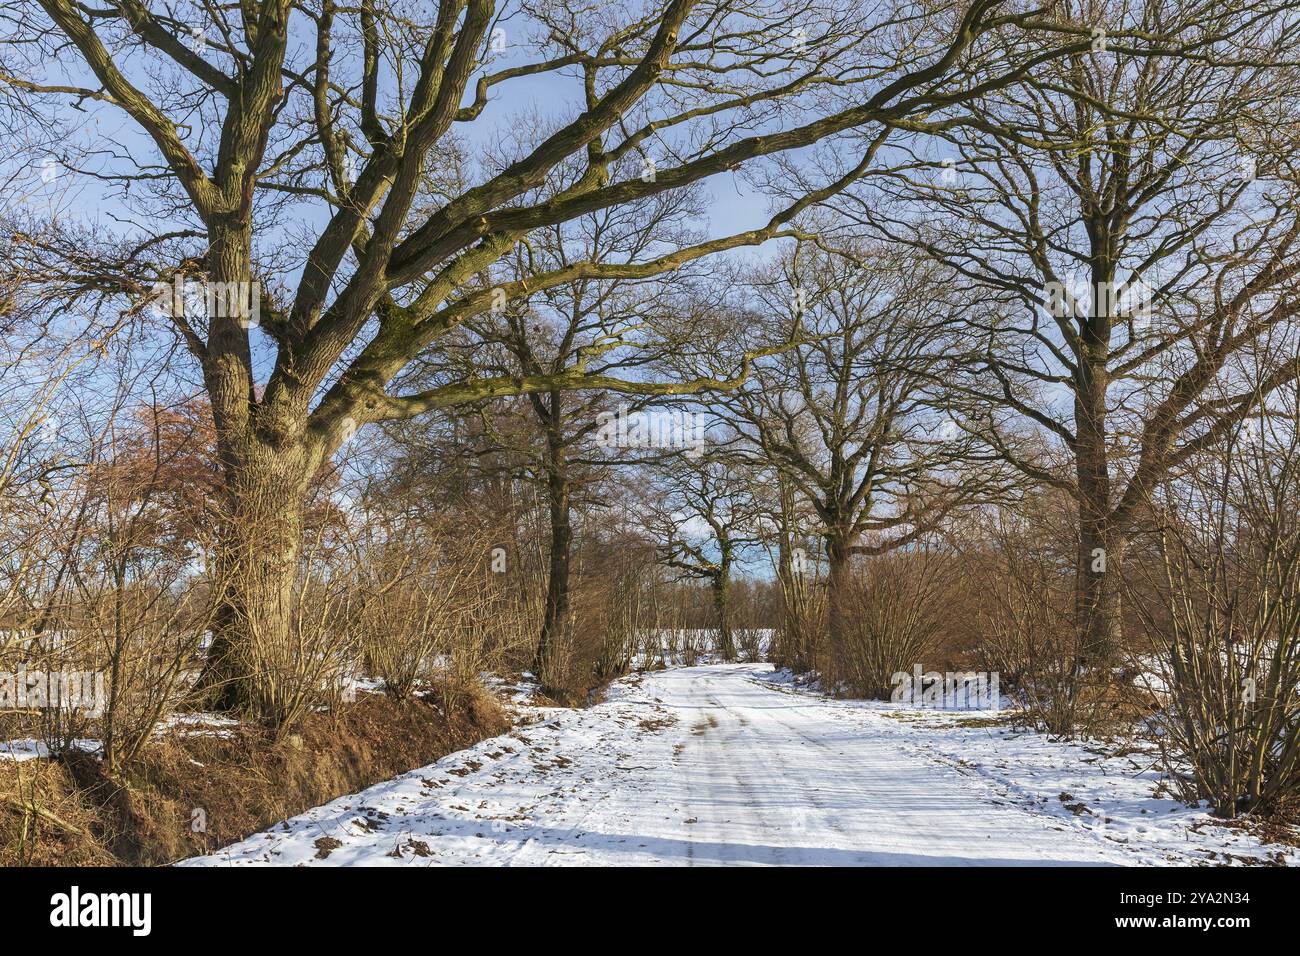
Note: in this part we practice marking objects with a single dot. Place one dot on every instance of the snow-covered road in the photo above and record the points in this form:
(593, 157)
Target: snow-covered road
(718, 765)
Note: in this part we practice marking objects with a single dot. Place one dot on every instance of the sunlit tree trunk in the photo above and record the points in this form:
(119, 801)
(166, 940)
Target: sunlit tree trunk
(555, 618)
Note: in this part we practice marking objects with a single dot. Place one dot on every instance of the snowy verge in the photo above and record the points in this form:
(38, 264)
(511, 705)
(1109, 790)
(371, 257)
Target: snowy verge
(1115, 792)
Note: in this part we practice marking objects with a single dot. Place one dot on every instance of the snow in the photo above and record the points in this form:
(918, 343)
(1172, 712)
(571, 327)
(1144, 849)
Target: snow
(518, 693)
(29, 748)
(723, 764)
(199, 724)
(1112, 791)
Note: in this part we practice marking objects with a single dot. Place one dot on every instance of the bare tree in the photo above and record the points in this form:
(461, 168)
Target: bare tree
(614, 327)
(1124, 224)
(849, 417)
(703, 519)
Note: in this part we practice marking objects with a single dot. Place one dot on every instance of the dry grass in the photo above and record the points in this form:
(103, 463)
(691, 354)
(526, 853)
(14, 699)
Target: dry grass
(234, 785)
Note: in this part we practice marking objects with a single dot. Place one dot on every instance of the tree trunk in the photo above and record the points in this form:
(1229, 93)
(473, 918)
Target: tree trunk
(255, 570)
(1097, 596)
(1096, 609)
(556, 616)
(1097, 600)
(266, 459)
(722, 611)
(790, 649)
(838, 582)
